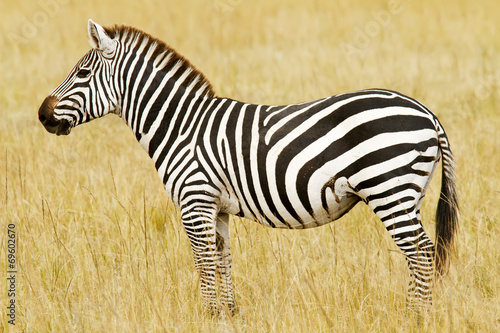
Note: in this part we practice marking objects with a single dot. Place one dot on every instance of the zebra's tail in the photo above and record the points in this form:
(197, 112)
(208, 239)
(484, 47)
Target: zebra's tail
(447, 208)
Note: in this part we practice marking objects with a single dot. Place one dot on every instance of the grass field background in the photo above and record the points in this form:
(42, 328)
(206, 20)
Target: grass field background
(101, 249)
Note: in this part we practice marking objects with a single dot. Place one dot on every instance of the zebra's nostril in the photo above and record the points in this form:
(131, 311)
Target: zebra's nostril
(46, 113)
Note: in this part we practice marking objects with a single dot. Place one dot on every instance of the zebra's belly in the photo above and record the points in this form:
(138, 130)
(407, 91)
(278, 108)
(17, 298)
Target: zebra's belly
(327, 203)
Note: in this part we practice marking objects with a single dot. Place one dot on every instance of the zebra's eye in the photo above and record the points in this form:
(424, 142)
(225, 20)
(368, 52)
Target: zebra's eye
(83, 73)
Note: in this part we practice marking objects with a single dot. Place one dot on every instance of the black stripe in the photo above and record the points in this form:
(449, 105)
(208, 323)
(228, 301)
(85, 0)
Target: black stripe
(384, 154)
(150, 91)
(130, 100)
(397, 172)
(393, 204)
(393, 190)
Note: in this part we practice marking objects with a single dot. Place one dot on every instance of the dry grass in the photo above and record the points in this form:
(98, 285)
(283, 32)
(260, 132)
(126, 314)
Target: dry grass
(101, 249)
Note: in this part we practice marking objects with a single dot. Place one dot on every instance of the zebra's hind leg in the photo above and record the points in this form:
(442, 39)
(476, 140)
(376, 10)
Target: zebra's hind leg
(402, 221)
(419, 252)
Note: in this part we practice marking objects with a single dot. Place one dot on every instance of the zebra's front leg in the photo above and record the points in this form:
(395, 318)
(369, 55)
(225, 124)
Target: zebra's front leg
(223, 268)
(200, 223)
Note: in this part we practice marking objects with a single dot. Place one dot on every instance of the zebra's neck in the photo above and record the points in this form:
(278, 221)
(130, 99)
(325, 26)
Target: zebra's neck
(158, 86)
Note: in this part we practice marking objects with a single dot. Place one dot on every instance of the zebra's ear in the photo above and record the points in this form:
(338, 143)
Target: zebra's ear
(99, 39)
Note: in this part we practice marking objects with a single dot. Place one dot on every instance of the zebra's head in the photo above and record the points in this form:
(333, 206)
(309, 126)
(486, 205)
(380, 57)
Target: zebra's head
(88, 92)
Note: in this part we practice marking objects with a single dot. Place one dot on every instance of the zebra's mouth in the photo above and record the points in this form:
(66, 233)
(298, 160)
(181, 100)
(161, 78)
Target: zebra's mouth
(63, 127)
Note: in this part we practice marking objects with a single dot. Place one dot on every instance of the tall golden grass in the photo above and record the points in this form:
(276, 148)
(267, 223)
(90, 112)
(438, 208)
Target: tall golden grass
(101, 249)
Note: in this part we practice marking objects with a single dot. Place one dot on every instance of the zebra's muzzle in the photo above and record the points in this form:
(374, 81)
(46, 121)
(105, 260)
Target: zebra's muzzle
(47, 117)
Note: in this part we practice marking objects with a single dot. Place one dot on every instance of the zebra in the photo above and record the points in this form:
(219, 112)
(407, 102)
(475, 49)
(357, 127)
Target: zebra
(293, 166)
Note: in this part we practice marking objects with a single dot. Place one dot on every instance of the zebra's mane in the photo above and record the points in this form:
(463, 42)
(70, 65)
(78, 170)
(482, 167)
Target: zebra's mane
(162, 52)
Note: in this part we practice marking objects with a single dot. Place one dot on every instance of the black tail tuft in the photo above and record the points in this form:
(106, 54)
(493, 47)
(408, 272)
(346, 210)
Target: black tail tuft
(446, 215)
